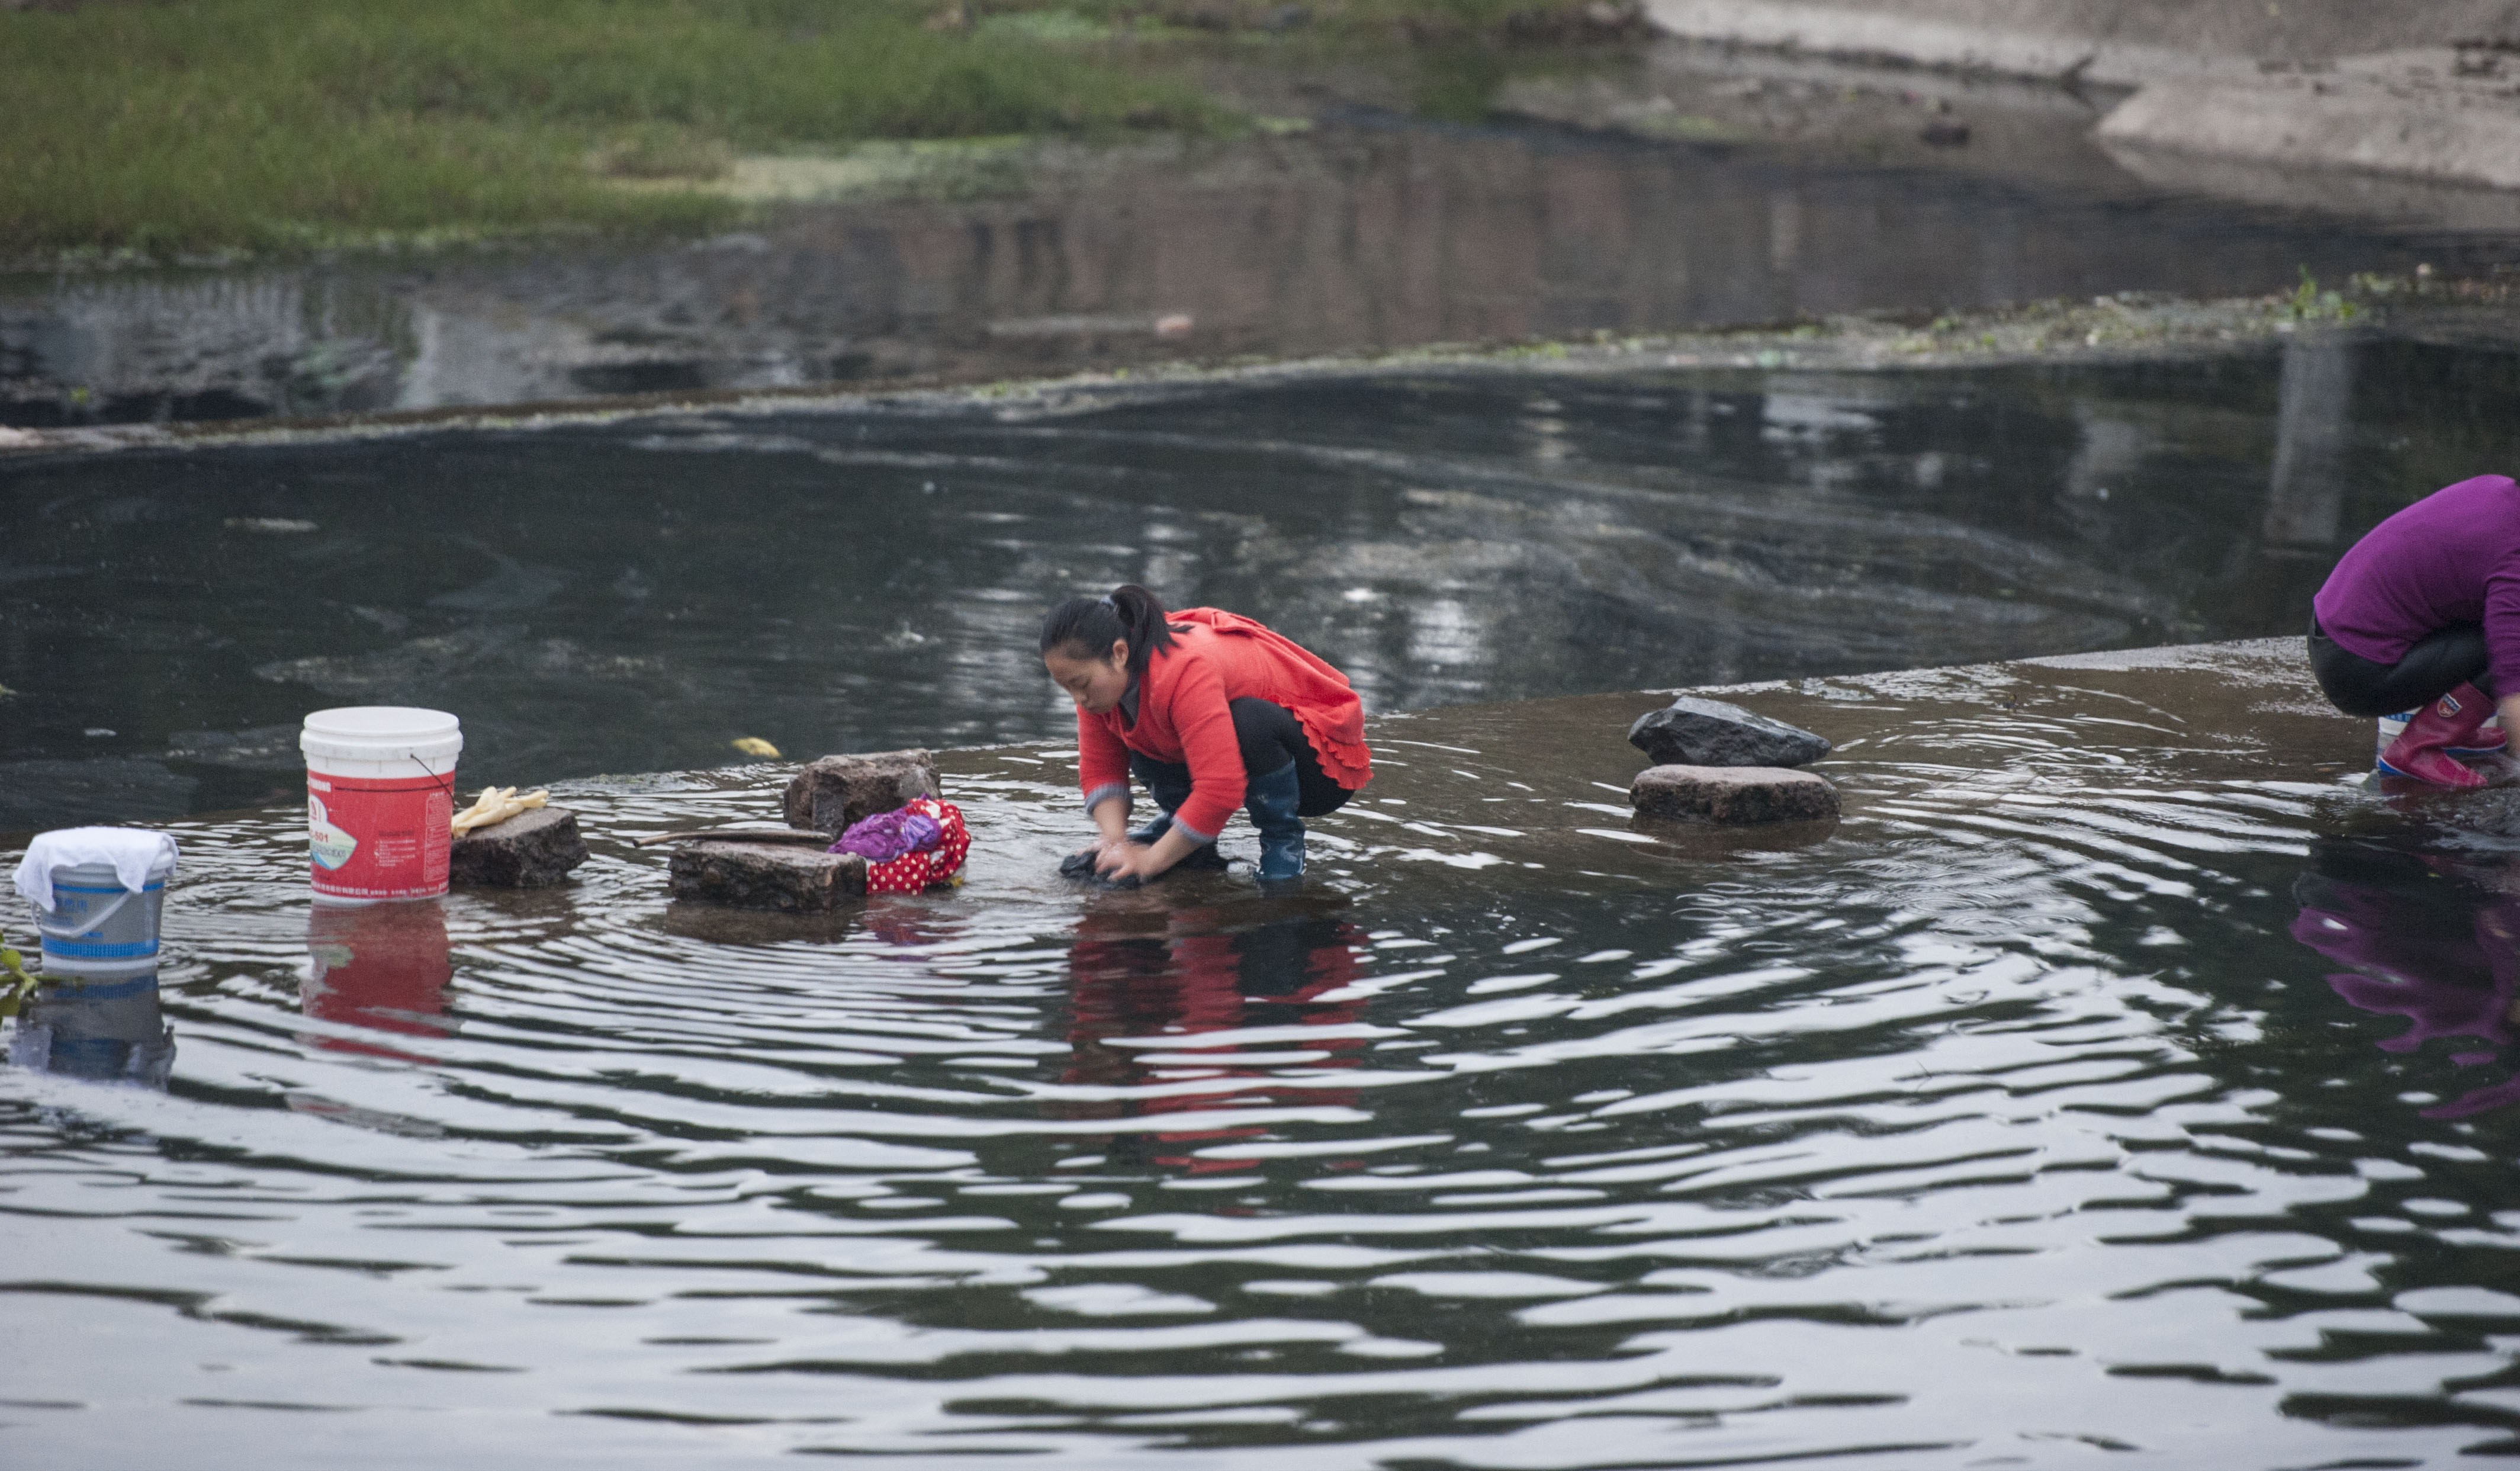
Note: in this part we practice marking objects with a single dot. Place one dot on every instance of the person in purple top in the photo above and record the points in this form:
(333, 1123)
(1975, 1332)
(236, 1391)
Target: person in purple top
(2425, 611)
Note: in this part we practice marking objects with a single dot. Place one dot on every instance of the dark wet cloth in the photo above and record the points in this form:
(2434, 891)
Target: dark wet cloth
(2437, 664)
(2449, 560)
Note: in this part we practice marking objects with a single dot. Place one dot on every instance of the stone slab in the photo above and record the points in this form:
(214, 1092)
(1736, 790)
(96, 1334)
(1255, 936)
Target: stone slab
(766, 876)
(1734, 796)
(533, 850)
(836, 791)
(1695, 731)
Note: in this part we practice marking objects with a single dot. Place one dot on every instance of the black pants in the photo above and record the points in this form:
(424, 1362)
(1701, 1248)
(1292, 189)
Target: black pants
(1270, 736)
(2437, 664)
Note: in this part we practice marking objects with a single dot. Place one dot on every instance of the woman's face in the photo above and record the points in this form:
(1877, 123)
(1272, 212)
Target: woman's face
(1095, 683)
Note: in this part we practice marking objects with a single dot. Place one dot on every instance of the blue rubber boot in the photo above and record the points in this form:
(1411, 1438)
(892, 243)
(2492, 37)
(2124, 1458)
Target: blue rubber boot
(1272, 800)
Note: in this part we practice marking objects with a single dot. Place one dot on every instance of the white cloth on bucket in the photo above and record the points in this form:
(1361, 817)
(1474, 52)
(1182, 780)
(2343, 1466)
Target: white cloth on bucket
(132, 852)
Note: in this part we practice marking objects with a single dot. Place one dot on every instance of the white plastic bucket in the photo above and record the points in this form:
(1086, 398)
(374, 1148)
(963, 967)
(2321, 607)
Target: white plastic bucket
(379, 801)
(96, 927)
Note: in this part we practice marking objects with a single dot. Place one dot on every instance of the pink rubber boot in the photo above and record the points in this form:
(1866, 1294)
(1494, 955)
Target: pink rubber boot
(2423, 751)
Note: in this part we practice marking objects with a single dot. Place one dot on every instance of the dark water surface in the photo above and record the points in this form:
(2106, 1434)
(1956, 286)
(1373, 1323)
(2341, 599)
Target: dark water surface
(635, 596)
(2006, 1123)
(1370, 232)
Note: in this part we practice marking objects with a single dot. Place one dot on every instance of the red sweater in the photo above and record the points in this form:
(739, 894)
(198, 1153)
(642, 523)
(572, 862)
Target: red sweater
(1183, 715)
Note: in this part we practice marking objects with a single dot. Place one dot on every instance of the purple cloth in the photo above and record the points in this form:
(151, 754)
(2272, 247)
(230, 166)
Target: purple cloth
(2453, 557)
(887, 836)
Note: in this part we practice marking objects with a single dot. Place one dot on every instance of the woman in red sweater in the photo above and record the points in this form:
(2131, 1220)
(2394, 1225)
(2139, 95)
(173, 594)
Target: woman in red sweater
(1209, 710)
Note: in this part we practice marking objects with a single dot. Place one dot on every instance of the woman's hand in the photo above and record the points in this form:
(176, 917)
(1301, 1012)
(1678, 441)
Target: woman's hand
(1141, 860)
(1129, 860)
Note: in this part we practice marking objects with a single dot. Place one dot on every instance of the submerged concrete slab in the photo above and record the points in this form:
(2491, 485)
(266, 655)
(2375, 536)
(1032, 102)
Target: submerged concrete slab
(1734, 796)
(765, 876)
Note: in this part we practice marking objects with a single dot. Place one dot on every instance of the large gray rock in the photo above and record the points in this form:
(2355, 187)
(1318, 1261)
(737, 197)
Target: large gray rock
(533, 850)
(837, 791)
(1695, 732)
(1734, 796)
(766, 876)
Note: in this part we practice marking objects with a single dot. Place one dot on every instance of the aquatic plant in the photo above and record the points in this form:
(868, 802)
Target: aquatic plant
(16, 983)
(2309, 303)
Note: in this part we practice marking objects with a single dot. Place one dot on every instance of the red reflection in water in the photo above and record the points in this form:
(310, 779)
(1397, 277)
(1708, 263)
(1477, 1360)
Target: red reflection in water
(379, 966)
(1183, 983)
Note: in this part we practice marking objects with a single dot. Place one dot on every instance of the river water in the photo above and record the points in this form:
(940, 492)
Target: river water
(635, 596)
(2118, 1075)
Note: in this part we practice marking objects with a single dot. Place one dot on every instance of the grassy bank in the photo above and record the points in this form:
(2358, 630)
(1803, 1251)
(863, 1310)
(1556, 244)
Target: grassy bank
(205, 125)
(253, 123)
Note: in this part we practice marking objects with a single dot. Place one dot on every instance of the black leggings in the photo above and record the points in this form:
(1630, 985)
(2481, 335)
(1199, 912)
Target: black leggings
(1270, 736)
(2435, 664)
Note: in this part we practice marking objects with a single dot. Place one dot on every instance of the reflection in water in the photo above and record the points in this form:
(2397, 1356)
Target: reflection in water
(2426, 941)
(380, 967)
(1170, 1016)
(100, 1031)
(2313, 429)
(1368, 232)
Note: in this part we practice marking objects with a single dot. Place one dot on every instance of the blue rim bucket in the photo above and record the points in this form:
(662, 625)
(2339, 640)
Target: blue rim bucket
(96, 927)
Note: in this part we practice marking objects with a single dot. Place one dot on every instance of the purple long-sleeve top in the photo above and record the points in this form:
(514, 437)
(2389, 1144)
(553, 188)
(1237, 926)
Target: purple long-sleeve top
(2453, 557)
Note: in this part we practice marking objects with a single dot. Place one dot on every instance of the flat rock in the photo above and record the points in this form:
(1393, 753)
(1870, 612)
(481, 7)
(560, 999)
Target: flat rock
(1734, 796)
(533, 850)
(765, 876)
(1692, 731)
(837, 791)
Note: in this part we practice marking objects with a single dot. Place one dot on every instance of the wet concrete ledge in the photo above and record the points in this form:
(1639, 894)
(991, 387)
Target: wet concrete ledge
(2121, 42)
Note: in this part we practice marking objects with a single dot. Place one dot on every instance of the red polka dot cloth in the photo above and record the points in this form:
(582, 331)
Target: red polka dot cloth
(917, 872)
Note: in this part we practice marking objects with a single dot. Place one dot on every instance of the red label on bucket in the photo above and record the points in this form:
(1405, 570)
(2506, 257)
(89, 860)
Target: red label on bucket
(380, 837)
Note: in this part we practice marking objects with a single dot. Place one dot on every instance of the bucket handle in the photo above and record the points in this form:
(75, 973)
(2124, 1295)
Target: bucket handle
(92, 923)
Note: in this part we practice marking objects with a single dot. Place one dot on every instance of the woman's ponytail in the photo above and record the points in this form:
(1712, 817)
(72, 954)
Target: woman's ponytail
(1088, 628)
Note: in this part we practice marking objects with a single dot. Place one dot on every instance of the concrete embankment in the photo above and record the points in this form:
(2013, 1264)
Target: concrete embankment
(2429, 91)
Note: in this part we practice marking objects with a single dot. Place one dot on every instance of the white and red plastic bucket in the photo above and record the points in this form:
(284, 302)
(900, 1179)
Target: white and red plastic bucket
(379, 801)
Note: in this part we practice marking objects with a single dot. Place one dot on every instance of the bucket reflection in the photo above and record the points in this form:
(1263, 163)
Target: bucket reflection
(2426, 941)
(105, 1031)
(385, 967)
(1163, 1005)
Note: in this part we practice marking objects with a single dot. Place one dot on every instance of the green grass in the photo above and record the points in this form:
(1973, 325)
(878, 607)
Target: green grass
(190, 127)
(202, 125)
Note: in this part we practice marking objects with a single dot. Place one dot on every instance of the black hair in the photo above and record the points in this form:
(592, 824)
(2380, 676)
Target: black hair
(1088, 628)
